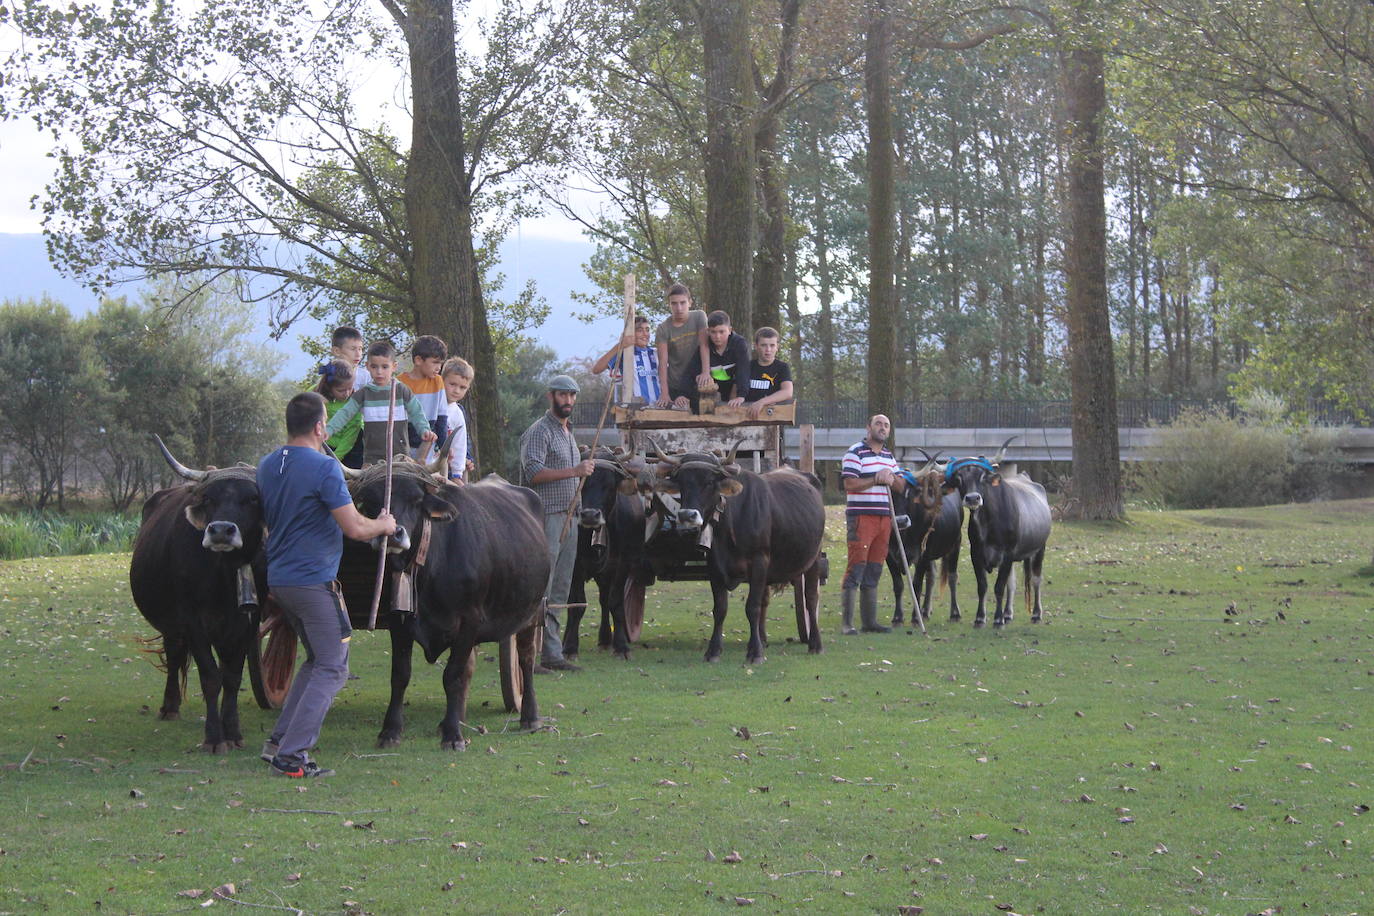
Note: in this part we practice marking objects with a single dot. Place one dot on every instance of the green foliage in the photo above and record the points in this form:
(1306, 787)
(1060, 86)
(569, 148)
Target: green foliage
(51, 392)
(46, 534)
(1209, 459)
(1096, 763)
(523, 399)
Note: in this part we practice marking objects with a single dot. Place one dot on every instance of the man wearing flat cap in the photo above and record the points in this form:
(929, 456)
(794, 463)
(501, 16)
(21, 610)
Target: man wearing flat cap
(550, 465)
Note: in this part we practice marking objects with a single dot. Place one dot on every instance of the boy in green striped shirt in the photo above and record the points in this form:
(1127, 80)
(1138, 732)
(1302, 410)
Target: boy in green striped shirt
(371, 401)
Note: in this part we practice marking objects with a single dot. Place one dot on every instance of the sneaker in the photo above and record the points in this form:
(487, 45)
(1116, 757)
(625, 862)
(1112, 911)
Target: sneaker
(307, 770)
(269, 750)
(559, 664)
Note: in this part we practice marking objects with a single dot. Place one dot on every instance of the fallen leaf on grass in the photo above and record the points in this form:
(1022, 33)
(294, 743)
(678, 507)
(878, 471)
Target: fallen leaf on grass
(225, 891)
(294, 876)
(733, 857)
(978, 836)
(191, 893)
(910, 910)
(744, 901)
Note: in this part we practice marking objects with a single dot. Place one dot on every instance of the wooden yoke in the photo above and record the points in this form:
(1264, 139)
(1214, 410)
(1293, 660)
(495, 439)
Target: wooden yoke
(628, 375)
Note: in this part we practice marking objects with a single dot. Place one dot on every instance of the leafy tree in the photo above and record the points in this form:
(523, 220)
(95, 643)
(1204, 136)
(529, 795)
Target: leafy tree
(202, 144)
(51, 389)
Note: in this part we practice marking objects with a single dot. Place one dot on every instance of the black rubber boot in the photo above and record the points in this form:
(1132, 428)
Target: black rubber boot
(868, 611)
(847, 612)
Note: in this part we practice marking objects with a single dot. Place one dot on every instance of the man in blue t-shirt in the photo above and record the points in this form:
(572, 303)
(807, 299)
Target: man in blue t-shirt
(308, 511)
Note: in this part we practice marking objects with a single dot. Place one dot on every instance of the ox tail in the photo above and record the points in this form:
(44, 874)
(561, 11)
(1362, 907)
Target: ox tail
(944, 577)
(1029, 590)
(154, 646)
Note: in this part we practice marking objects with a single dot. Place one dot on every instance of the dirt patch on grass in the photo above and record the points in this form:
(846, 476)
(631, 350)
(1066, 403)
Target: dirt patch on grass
(1230, 521)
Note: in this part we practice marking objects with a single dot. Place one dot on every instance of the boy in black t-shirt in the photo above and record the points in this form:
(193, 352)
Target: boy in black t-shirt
(729, 356)
(770, 379)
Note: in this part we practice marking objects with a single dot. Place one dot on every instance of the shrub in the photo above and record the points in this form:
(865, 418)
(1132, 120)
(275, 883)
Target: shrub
(36, 534)
(1207, 459)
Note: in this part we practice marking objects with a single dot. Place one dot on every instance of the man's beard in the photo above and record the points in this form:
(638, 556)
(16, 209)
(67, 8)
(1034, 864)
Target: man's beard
(879, 437)
(562, 411)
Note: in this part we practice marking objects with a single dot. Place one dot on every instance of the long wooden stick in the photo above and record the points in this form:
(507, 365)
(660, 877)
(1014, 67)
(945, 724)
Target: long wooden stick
(906, 567)
(386, 507)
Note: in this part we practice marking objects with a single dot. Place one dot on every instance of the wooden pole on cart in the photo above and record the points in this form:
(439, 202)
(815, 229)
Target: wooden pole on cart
(386, 507)
(806, 448)
(629, 374)
(906, 567)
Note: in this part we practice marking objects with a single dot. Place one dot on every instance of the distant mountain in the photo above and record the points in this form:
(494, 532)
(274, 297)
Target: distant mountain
(555, 266)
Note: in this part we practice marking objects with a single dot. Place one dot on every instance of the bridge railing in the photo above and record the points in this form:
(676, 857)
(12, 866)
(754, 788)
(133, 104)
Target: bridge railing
(851, 413)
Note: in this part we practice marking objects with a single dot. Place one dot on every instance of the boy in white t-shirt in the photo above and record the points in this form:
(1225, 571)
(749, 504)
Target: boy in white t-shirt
(457, 374)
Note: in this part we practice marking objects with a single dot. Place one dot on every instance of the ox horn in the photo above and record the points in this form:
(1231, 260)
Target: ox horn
(1002, 452)
(659, 453)
(437, 465)
(728, 462)
(181, 469)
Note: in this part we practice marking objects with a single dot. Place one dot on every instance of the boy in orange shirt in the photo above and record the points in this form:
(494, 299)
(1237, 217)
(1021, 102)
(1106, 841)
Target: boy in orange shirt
(424, 381)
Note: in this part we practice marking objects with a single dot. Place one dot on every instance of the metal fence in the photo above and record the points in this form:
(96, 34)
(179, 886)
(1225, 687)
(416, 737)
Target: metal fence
(852, 413)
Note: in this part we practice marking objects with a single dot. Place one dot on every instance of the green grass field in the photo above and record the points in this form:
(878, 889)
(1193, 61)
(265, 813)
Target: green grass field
(1140, 751)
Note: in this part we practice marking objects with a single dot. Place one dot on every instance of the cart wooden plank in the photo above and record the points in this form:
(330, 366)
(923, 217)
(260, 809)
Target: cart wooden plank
(653, 418)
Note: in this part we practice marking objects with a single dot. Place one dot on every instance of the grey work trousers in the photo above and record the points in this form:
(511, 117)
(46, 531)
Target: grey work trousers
(562, 555)
(317, 614)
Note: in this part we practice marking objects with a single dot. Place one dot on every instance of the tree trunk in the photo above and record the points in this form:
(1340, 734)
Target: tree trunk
(770, 261)
(1092, 372)
(730, 160)
(825, 321)
(794, 320)
(445, 279)
(882, 305)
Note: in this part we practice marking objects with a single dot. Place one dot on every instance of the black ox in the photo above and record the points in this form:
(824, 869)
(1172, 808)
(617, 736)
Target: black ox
(477, 556)
(934, 534)
(1009, 521)
(766, 530)
(195, 575)
(610, 549)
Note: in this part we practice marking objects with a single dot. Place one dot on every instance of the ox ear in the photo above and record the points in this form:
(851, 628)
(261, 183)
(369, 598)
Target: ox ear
(627, 486)
(730, 486)
(438, 508)
(996, 480)
(196, 516)
(666, 485)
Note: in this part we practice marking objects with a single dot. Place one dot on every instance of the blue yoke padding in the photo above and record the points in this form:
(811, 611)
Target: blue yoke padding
(980, 462)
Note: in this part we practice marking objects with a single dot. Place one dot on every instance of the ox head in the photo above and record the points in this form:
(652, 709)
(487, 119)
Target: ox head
(419, 493)
(701, 481)
(929, 488)
(614, 474)
(223, 504)
(973, 477)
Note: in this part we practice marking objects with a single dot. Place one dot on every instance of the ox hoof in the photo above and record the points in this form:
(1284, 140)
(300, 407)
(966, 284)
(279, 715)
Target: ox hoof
(712, 659)
(954, 618)
(168, 715)
(978, 624)
(455, 744)
(756, 660)
(531, 725)
(897, 618)
(217, 747)
(814, 650)
(623, 654)
(388, 740)
(1035, 618)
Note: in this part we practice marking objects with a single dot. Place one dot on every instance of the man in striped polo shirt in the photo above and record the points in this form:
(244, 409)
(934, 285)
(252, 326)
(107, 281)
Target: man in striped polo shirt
(869, 473)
